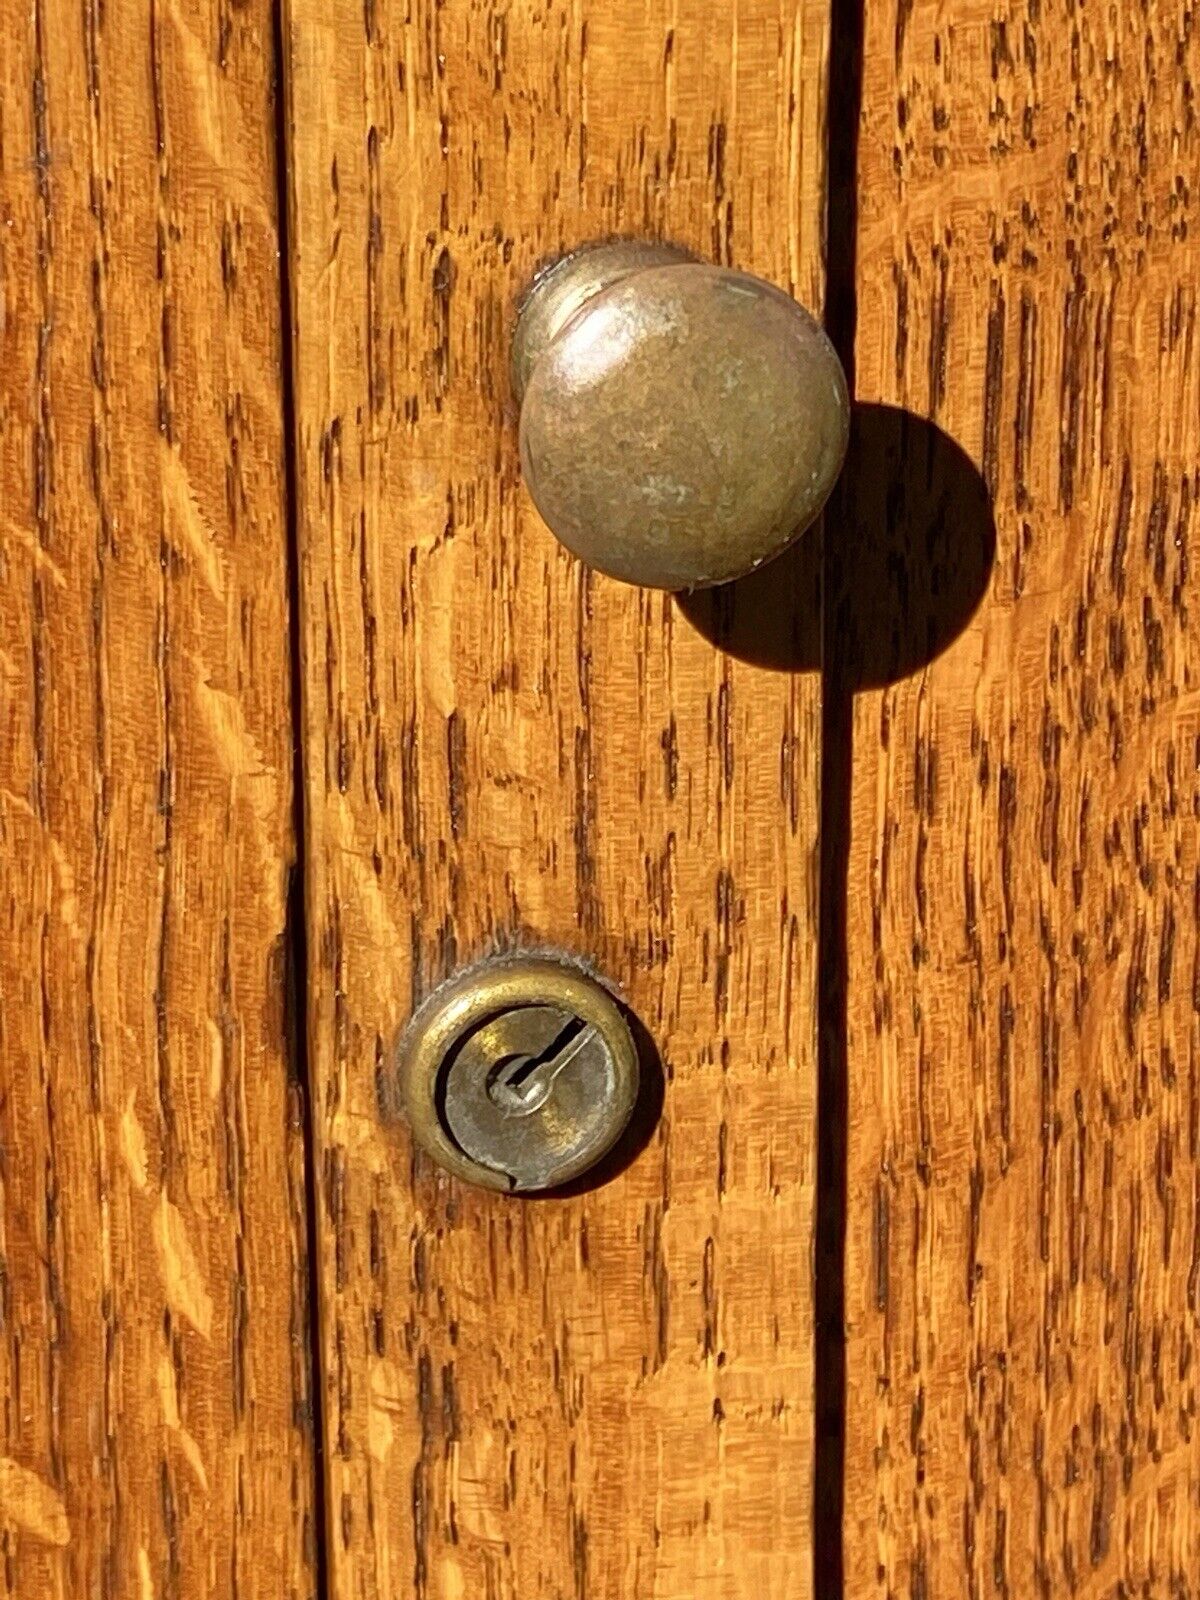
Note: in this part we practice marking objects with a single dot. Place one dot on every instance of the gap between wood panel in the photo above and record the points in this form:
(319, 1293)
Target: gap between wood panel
(829, 1314)
(297, 921)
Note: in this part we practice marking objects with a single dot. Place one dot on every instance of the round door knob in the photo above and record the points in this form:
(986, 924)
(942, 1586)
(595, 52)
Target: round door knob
(680, 423)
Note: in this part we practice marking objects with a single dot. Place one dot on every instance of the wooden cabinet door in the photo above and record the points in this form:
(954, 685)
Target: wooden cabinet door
(616, 1394)
(609, 1394)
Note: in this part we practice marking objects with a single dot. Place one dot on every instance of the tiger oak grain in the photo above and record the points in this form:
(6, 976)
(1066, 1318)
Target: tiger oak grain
(608, 1394)
(1023, 870)
(154, 1388)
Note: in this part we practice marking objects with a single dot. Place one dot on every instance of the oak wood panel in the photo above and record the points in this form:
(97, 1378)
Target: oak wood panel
(1024, 973)
(608, 1394)
(154, 1425)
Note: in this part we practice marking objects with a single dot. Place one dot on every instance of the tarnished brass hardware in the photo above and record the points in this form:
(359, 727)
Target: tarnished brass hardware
(680, 423)
(519, 1074)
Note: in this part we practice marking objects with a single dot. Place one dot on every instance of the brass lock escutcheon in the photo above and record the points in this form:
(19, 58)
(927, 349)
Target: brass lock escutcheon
(519, 1074)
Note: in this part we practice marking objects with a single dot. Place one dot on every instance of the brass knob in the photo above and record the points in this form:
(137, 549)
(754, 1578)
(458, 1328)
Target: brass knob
(680, 423)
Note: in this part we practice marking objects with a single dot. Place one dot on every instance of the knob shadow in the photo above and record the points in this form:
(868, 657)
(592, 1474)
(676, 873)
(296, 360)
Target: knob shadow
(912, 525)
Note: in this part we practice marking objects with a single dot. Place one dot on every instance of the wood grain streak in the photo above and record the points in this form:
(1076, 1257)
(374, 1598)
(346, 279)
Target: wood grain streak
(154, 1433)
(1024, 877)
(610, 1394)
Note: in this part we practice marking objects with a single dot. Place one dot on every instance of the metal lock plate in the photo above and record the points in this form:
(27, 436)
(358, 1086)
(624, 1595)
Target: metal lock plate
(519, 1074)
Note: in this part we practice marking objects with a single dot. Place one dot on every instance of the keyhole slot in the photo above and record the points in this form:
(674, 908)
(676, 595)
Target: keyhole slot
(519, 1084)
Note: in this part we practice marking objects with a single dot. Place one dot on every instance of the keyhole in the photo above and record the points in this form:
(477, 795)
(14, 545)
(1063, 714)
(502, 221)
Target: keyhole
(520, 1084)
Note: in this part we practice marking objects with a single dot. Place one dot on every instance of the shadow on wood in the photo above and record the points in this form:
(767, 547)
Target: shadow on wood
(913, 531)
(908, 546)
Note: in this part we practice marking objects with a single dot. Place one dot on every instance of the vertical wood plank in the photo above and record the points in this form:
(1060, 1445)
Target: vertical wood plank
(609, 1394)
(154, 1437)
(1024, 1186)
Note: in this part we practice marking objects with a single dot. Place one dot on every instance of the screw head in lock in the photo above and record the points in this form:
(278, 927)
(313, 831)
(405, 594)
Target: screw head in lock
(518, 1074)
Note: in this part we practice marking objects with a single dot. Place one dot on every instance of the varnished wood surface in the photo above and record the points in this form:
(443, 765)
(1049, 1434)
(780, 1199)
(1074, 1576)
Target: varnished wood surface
(154, 1436)
(608, 1395)
(1023, 1189)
